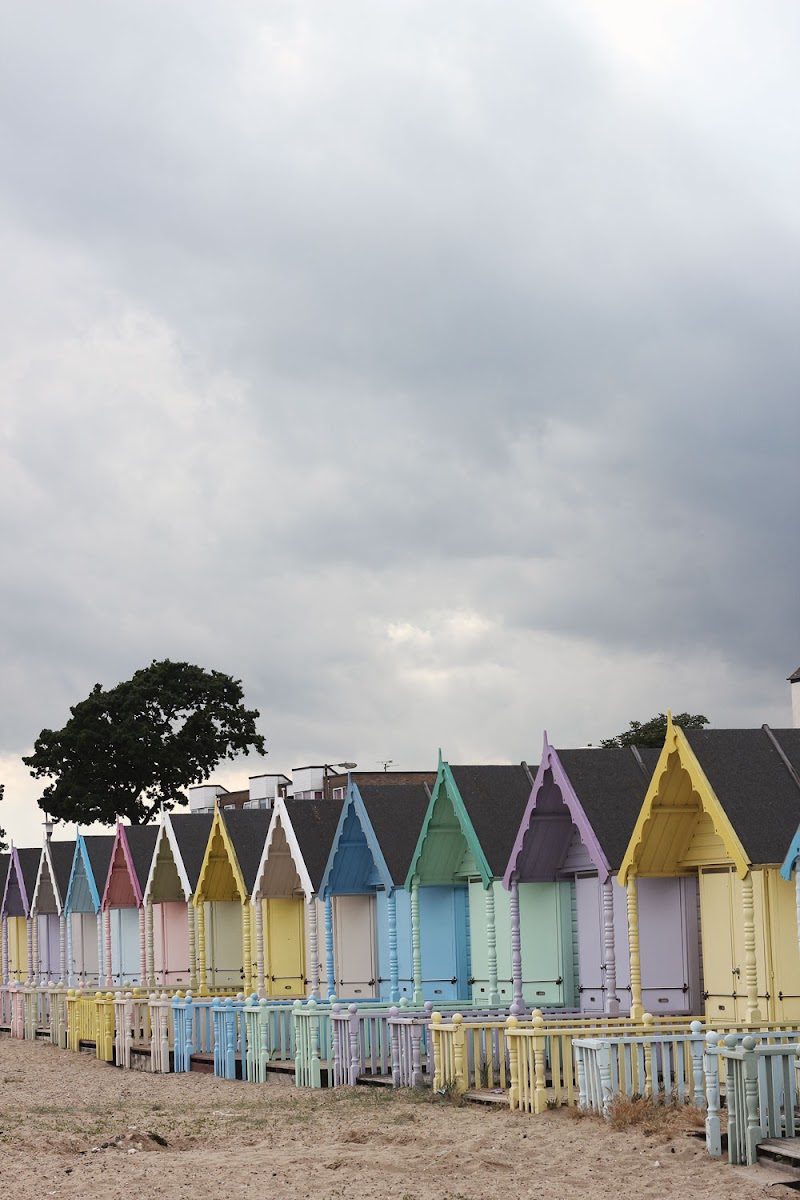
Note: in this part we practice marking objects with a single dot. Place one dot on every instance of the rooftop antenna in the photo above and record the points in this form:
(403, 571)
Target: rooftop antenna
(385, 763)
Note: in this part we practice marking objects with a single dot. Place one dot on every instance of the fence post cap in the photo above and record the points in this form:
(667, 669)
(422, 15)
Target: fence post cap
(749, 1043)
(696, 1026)
(537, 1012)
(436, 1018)
(457, 1018)
(512, 1021)
(712, 1038)
(537, 1019)
(730, 1041)
(352, 1008)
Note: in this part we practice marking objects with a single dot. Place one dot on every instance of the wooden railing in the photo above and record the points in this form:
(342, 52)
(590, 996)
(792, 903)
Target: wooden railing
(229, 1034)
(269, 1035)
(760, 1091)
(663, 1066)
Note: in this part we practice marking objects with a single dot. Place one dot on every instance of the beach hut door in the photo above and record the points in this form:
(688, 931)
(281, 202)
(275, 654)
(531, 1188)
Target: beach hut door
(354, 921)
(285, 947)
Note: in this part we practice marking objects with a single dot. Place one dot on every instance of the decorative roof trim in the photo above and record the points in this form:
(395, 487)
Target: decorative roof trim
(444, 779)
(280, 815)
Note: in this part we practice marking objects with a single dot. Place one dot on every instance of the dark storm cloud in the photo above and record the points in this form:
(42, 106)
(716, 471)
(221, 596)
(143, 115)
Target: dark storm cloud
(409, 363)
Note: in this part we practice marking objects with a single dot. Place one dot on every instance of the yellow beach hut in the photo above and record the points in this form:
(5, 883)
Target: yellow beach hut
(723, 805)
(225, 942)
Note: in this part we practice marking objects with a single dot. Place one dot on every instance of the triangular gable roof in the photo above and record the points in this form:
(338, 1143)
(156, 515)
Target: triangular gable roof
(602, 792)
(242, 833)
(5, 859)
(741, 778)
(56, 860)
(309, 827)
(351, 863)
(187, 834)
(91, 860)
(133, 846)
(23, 867)
(487, 803)
(396, 812)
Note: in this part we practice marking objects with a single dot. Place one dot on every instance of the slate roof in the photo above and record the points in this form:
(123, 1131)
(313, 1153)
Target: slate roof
(141, 843)
(396, 812)
(610, 786)
(29, 859)
(247, 828)
(314, 823)
(62, 854)
(191, 833)
(753, 785)
(495, 798)
(4, 861)
(99, 847)
(795, 676)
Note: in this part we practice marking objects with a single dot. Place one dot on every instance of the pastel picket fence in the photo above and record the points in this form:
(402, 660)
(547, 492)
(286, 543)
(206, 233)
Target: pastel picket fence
(162, 1031)
(132, 1028)
(312, 1041)
(228, 1019)
(269, 1035)
(667, 1067)
(5, 1005)
(542, 1065)
(81, 1019)
(193, 1028)
(104, 1025)
(409, 1036)
(760, 1081)
(361, 1043)
(57, 1011)
(17, 1010)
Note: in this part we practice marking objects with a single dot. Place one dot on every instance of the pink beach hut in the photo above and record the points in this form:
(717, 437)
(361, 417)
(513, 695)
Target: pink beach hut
(122, 904)
(170, 917)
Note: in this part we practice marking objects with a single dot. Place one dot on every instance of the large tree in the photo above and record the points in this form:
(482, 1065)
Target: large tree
(126, 751)
(653, 732)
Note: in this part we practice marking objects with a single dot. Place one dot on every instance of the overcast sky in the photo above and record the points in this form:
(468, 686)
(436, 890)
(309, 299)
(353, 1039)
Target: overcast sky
(429, 365)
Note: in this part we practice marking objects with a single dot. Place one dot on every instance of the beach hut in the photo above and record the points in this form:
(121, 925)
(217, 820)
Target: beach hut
(82, 907)
(567, 914)
(122, 904)
(722, 807)
(288, 911)
(20, 933)
(4, 858)
(460, 918)
(222, 899)
(49, 898)
(367, 908)
(171, 936)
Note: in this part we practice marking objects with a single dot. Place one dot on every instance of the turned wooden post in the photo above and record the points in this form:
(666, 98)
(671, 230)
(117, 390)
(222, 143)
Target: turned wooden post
(394, 967)
(647, 1022)
(539, 1062)
(513, 1061)
(436, 1041)
(491, 946)
(416, 945)
(696, 1052)
(247, 948)
(33, 948)
(329, 963)
(142, 947)
(62, 948)
(610, 951)
(109, 959)
(518, 1003)
(258, 905)
(201, 948)
(70, 954)
(750, 965)
(100, 944)
(192, 923)
(797, 899)
(460, 1054)
(313, 945)
(637, 1011)
(353, 1039)
(150, 947)
(5, 949)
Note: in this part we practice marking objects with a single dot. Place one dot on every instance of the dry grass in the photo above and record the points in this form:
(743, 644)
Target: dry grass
(653, 1117)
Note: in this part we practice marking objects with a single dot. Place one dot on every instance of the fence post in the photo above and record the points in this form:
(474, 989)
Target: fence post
(513, 1044)
(696, 1052)
(647, 1022)
(750, 1071)
(352, 1037)
(539, 1060)
(459, 1054)
(711, 1065)
(580, 1068)
(436, 1039)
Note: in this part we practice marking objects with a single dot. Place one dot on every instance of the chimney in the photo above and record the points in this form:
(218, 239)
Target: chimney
(794, 680)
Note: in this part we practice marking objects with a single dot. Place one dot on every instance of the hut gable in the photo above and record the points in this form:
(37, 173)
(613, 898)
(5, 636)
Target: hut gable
(717, 797)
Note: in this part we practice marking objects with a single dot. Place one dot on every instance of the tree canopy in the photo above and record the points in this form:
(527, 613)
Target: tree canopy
(139, 745)
(653, 732)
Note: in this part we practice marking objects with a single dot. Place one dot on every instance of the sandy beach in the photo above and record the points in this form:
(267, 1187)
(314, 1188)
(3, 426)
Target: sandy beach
(71, 1126)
